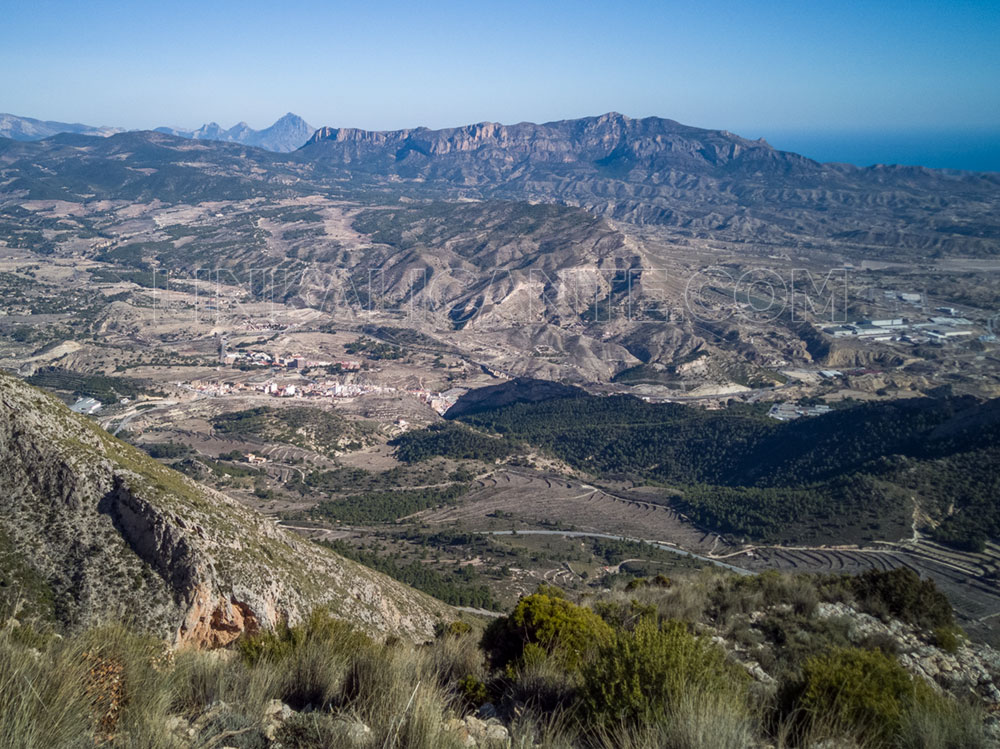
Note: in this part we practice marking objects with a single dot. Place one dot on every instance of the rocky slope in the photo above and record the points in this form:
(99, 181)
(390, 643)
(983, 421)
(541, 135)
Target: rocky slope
(93, 530)
(970, 670)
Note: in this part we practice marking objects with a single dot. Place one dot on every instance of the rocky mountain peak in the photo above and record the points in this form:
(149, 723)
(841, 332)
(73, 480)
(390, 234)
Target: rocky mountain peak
(285, 135)
(611, 140)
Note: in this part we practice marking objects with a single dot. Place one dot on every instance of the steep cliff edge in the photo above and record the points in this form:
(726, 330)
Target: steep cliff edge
(93, 530)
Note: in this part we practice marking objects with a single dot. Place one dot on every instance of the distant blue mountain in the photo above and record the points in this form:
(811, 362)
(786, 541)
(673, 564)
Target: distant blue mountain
(287, 134)
(28, 128)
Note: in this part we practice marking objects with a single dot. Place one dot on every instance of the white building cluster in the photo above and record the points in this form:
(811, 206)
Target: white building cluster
(791, 411)
(905, 330)
(440, 402)
(295, 361)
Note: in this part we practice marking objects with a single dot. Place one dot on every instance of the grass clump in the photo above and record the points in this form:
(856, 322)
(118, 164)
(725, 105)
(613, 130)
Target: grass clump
(42, 702)
(310, 661)
(284, 641)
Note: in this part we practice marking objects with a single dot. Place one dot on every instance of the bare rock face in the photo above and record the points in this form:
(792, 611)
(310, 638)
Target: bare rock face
(95, 531)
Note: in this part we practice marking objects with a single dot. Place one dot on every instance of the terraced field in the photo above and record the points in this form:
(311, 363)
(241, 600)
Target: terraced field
(522, 499)
(535, 499)
(967, 579)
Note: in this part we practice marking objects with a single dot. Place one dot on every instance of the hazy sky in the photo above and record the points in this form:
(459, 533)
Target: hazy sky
(749, 67)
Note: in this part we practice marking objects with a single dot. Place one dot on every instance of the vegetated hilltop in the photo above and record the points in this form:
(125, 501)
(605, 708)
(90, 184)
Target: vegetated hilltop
(521, 390)
(697, 181)
(819, 479)
(93, 530)
(321, 430)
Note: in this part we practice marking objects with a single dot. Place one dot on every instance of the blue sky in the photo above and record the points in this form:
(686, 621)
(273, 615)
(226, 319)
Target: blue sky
(748, 67)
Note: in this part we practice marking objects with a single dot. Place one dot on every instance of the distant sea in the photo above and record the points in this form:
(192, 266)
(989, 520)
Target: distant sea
(971, 150)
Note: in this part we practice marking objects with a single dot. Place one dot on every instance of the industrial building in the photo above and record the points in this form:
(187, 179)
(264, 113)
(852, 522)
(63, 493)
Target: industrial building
(86, 406)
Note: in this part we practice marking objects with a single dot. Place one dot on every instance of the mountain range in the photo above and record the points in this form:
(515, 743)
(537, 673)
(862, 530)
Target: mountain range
(698, 184)
(28, 128)
(286, 134)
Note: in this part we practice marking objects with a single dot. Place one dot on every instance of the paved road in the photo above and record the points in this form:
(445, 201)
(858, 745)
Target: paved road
(124, 422)
(657, 544)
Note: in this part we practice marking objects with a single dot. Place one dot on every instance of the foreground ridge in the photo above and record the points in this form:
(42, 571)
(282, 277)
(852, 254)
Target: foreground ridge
(96, 531)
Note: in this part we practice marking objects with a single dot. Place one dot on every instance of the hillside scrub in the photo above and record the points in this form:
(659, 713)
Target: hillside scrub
(868, 696)
(654, 665)
(644, 675)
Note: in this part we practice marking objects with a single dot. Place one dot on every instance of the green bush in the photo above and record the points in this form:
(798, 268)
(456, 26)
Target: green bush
(901, 593)
(946, 638)
(457, 628)
(863, 692)
(639, 676)
(473, 691)
(545, 623)
(659, 581)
